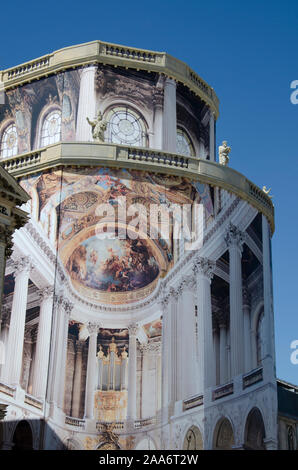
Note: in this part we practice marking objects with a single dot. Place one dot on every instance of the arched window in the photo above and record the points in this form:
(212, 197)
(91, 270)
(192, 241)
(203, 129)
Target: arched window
(9, 142)
(126, 126)
(260, 339)
(184, 144)
(51, 129)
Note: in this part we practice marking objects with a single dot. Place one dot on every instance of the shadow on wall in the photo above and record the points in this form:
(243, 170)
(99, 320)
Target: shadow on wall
(29, 435)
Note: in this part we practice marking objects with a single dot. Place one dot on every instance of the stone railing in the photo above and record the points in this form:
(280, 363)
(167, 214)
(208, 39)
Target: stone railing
(252, 377)
(129, 53)
(79, 423)
(91, 154)
(117, 425)
(193, 402)
(32, 401)
(7, 389)
(32, 66)
(112, 54)
(223, 391)
(141, 423)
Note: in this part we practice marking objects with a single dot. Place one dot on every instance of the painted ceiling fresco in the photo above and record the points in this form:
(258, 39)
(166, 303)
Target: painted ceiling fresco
(110, 269)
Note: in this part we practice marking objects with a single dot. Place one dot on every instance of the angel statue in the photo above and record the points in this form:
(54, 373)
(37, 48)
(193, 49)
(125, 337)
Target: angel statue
(223, 152)
(267, 191)
(99, 126)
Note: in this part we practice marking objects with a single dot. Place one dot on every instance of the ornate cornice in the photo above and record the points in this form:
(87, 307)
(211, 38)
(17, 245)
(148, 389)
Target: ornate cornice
(98, 52)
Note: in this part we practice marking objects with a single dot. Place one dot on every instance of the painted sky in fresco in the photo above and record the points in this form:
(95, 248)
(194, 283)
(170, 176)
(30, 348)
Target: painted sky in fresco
(248, 52)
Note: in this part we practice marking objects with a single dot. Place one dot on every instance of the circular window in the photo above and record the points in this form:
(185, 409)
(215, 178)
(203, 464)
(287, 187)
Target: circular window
(51, 129)
(184, 145)
(9, 142)
(125, 126)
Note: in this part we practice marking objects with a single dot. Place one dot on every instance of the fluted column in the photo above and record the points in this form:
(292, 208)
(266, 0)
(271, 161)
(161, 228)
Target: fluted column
(203, 269)
(145, 348)
(234, 239)
(247, 331)
(91, 370)
(157, 99)
(76, 393)
(187, 327)
(268, 295)
(43, 344)
(67, 308)
(14, 354)
(170, 116)
(86, 107)
(132, 372)
(166, 353)
(223, 353)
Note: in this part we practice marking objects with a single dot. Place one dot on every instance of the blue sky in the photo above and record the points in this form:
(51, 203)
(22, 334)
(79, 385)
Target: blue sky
(247, 51)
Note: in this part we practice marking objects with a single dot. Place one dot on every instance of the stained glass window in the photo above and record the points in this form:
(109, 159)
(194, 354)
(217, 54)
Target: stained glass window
(9, 142)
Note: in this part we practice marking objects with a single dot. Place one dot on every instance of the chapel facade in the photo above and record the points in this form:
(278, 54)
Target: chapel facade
(137, 309)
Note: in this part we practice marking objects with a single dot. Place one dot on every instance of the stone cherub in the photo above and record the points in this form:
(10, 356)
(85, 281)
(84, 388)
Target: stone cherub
(223, 152)
(99, 126)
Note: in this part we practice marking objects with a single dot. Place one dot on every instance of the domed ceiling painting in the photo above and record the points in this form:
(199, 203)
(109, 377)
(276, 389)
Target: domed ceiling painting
(114, 270)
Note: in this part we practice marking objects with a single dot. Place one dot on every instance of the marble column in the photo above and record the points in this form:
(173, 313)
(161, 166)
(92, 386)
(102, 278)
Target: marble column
(247, 331)
(145, 348)
(14, 351)
(203, 269)
(76, 393)
(87, 102)
(212, 137)
(223, 356)
(268, 293)
(170, 116)
(234, 239)
(27, 358)
(166, 352)
(132, 373)
(43, 344)
(67, 308)
(91, 371)
(186, 308)
(61, 312)
(158, 118)
(4, 333)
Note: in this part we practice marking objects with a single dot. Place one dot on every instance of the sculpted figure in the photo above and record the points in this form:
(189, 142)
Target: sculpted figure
(112, 346)
(99, 125)
(100, 353)
(223, 152)
(267, 191)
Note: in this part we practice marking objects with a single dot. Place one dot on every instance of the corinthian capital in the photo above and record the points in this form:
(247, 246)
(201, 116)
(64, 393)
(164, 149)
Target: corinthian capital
(93, 328)
(204, 267)
(234, 237)
(23, 264)
(46, 293)
(133, 329)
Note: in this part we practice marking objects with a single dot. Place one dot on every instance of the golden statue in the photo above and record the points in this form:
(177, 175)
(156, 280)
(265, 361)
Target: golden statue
(112, 346)
(124, 353)
(267, 191)
(99, 126)
(100, 353)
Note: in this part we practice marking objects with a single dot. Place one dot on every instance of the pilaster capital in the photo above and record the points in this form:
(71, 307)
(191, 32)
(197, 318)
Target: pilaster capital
(63, 303)
(22, 265)
(204, 267)
(133, 329)
(234, 237)
(93, 328)
(188, 283)
(67, 306)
